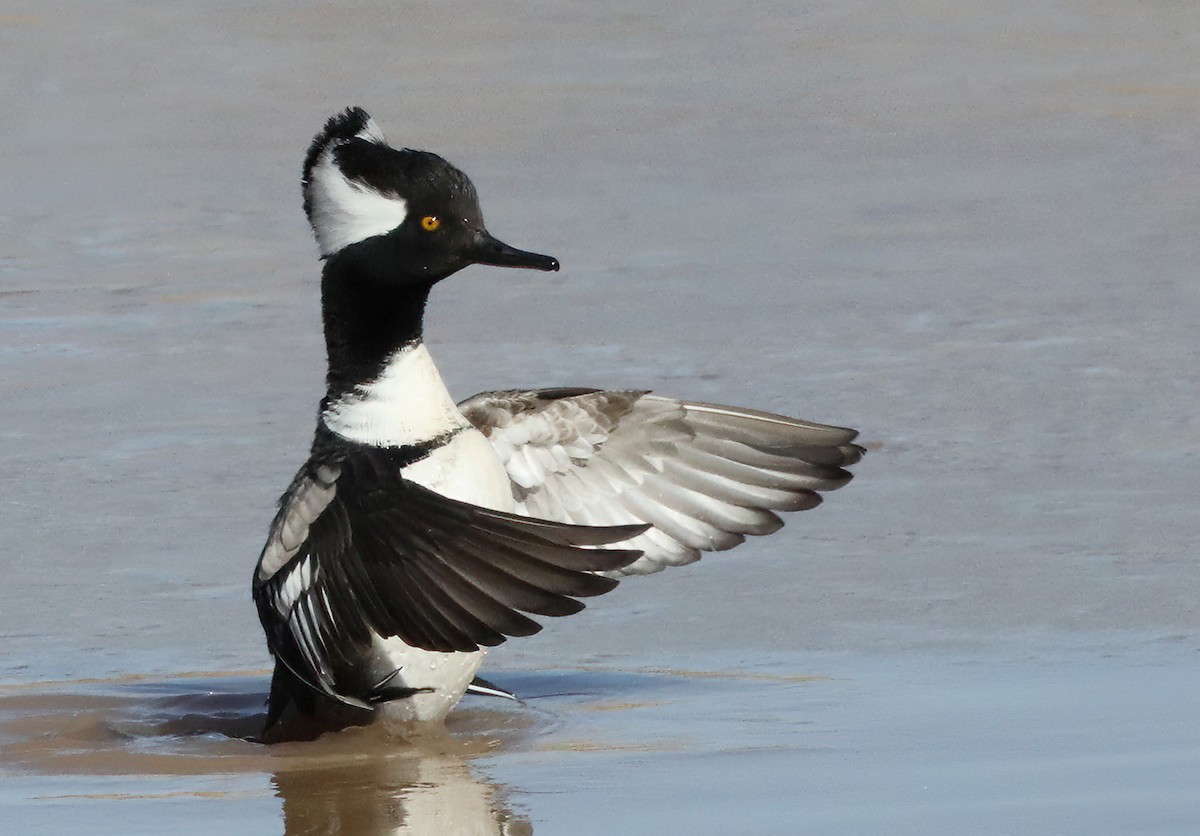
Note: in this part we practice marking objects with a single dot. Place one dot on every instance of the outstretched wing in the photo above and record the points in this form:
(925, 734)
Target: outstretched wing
(356, 550)
(703, 476)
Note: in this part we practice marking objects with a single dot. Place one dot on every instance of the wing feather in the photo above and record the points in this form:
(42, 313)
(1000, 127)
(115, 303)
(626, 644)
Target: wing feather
(703, 476)
(357, 552)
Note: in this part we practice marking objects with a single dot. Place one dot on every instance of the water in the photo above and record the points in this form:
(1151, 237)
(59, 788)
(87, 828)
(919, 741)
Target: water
(968, 230)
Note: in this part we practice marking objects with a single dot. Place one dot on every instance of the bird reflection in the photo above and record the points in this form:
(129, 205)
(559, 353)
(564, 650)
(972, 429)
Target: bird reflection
(407, 787)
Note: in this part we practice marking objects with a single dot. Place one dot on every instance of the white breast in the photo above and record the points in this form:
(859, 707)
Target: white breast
(407, 404)
(466, 469)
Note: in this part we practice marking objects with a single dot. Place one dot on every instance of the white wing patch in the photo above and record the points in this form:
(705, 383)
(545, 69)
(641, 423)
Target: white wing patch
(345, 211)
(407, 404)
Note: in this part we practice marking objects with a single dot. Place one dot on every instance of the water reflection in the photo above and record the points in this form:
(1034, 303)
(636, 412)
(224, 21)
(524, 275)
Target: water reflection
(357, 781)
(411, 792)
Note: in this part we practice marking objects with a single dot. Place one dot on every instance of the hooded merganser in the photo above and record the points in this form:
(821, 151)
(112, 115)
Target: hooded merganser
(420, 531)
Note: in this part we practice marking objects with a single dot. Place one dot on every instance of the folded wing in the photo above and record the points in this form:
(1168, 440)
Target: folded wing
(702, 476)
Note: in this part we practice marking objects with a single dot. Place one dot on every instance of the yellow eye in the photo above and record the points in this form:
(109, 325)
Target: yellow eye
(429, 223)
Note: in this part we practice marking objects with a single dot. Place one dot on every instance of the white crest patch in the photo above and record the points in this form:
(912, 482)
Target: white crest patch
(344, 211)
(407, 404)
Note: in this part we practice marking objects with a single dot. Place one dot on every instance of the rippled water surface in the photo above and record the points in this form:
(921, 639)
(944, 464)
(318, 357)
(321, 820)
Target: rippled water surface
(966, 228)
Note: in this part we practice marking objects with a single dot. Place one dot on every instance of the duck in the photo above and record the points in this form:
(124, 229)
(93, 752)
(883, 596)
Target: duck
(422, 531)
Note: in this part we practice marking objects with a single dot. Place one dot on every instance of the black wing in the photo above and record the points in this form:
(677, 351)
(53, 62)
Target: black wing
(357, 550)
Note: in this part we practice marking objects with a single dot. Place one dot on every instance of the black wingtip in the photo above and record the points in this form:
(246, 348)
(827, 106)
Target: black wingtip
(604, 560)
(851, 454)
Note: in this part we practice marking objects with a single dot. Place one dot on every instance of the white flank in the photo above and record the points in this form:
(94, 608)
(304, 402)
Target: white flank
(344, 211)
(448, 674)
(407, 404)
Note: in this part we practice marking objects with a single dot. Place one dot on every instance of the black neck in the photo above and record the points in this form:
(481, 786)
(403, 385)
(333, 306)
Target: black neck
(368, 316)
